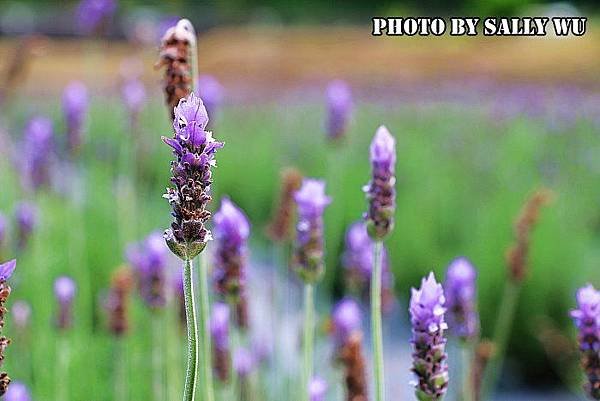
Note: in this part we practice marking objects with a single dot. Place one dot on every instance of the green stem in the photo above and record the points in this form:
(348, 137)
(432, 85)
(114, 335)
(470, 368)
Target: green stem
(62, 384)
(205, 329)
(467, 374)
(157, 357)
(189, 392)
(376, 332)
(308, 338)
(501, 336)
(121, 371)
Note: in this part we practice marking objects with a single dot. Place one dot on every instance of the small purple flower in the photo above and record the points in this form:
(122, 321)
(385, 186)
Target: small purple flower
(219, 325)
(75, 104)
(37, 151)
(64, 290)
(93, 15)
(7, 269)
(26, 216)
(339, 108)
(21, 312)
(149, 259)
(587, 319)
(311, 202)
(317, 389)
(17, 391)
(460, 290)
(380, 191)
(346, 320)
(133, 93)
(211, 91)
(3, 226)
(428, 326)
(243, 362)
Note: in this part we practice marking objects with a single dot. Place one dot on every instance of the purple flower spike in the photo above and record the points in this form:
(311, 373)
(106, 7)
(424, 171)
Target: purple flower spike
(339, 108)
(428, 326)
(75, 105)
(380, 191)
(211, 91)
(460, 290)
(3, 225)
(64, 290)
(346, 319)
(587, 320)
(38, 146)
(243, 362)
(26, 217)
(148, 260)
(17, 391)
(317, 389)
(219, 325)
(311, 202)
(21, 311)
(93, 15)
(133, 94)
(194, 149)
(7, 269)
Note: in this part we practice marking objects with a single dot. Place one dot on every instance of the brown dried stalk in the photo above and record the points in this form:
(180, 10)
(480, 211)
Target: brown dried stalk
(351, 356)
(118, 302)
(4, 341)
(280, 228)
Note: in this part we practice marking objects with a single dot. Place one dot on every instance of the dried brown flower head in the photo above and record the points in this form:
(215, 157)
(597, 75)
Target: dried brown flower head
(280, 228)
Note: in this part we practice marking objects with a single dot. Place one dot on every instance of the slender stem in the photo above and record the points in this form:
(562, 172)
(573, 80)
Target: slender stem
(62, 384)
(309, 332)
(501, 336)
(204, 327)
(189, 392)
(467, 374)
(121, 371)
(157, 356)
(376, 332)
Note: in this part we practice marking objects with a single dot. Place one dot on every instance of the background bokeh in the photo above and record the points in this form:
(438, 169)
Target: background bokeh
(480, 124)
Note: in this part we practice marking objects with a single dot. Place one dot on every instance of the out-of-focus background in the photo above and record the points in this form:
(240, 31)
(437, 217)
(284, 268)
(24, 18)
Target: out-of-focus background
(480, 124)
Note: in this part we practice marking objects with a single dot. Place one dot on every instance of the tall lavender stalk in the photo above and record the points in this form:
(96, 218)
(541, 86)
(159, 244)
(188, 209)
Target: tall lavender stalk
(6, 270)
(194, 149)
(75, 104)
(311, 202)
(381, 196)
(339, 109)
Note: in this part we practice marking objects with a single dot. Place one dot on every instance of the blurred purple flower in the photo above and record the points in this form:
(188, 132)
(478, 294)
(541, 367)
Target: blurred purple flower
(339, 108)
(428, 326)
(3, 227)
(211, 92)
(243, 362)
(7, 269)
(21, 311)
(37, 151)
(317, 389)
(460, 291)
(17, 391)
(148, 260)
(346, 319)
(75, 104)
(64, 291)
(133, 93)
(587, 320)
(219, 325)
(92, 16)
(380, 191)
(26, 216)
(311, 202)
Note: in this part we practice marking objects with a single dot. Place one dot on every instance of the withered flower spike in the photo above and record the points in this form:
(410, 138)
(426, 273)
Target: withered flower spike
(281, 224)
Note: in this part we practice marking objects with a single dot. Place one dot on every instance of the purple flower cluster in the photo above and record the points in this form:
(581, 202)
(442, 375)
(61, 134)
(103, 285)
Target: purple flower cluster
(317, 389)
(380, 191)
(92, 16)
(75, 104)
(3, 227)
(243, 362)
(219, 331)
(26, 216)
(37, 152)
(311, 202)
(587, 320)
(460, 291)
(339, 108)
(194, 148)
(211, 91)
(64, 291)
(17, 392)
(428, 325)
(346, 320)
(133, 94)
(148, 260)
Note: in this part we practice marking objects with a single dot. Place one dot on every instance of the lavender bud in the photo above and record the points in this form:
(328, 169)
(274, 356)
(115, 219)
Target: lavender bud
(428, 326)
(17, 392)
(64, 291)
(243, 362)
(93, 16)
(460, 290)
(219, 331)
(380, 191)
(346, 319)
(194, 149)
(37, 151)
(587, 320)
(6, 270)
(311, 202)
(231, 232)
(21, 311)
(211, 91)
(3, 224)
(148, 260)
(317, 389)
(339, 109)
(75, 105)
(26, 216)
(133, 94)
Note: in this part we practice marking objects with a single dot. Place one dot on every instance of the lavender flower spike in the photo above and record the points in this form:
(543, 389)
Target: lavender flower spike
(339, 108)
(380, 191)
(219, 331)
(26, 217)
(428, 326)
(6, 270)
(587, 320)
(3, 225)
(17, 392)
(211, 92)
(93, 15)
(38, 146)
(64, 290)
(75, 104)
(232, 230)
(317, 389)
(346, 319)
(460, 290)
(194, 149)
(311, 202)
(148, 259)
